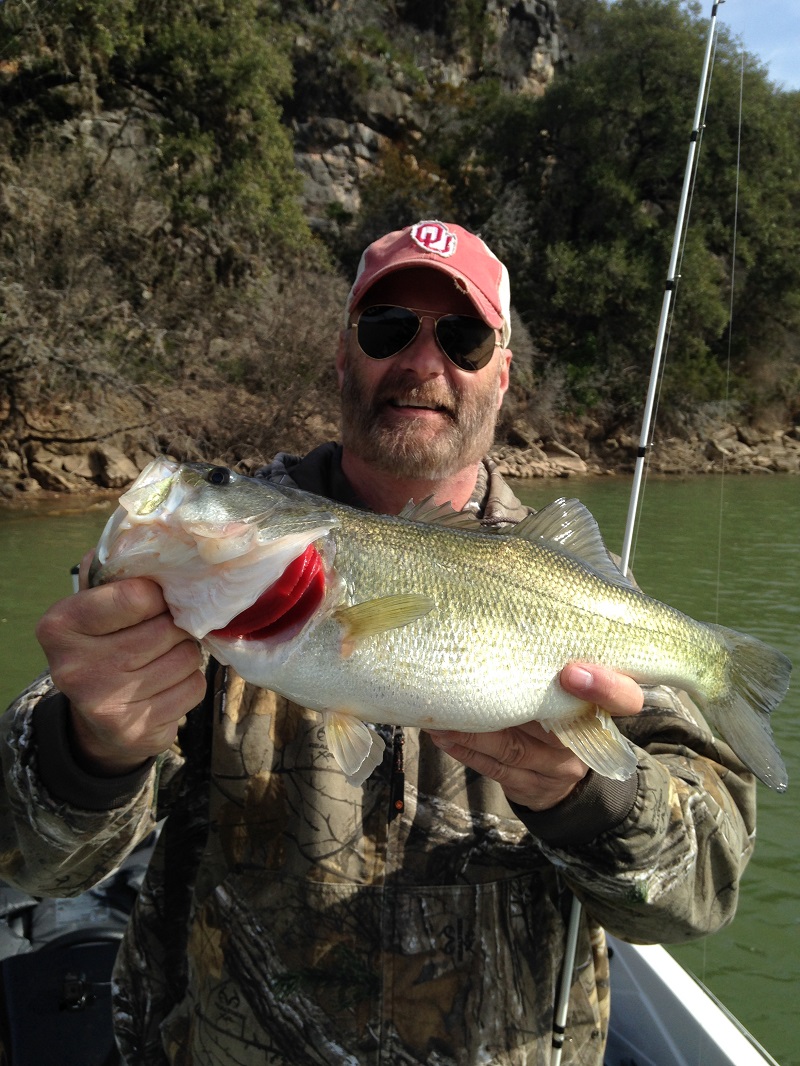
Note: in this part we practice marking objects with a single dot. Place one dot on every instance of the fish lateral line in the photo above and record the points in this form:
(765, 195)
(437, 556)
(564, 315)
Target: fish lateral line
(285, 604)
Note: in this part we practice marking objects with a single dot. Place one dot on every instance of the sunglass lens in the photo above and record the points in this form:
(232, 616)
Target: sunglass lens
(467, 342)
(384, 331)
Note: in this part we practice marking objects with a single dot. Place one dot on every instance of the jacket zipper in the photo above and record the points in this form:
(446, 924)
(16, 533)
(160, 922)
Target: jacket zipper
(398, 779)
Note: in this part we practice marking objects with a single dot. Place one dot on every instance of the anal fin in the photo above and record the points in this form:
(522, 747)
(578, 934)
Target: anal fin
(594, 738)
(355, 747)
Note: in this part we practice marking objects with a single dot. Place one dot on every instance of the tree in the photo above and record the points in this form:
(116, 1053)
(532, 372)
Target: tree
(579, 190)
(220, 70)
(212, 76)
(109, 270)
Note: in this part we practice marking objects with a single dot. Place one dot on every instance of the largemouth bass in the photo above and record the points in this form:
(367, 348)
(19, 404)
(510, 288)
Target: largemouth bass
(426, 619)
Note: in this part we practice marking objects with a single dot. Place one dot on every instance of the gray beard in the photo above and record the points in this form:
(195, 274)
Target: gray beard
(410, 450)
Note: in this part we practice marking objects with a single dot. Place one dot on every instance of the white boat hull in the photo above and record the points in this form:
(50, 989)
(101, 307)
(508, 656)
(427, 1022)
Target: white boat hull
(662, 1016)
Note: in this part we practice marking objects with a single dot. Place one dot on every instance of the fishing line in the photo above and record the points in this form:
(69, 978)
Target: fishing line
(726, 399)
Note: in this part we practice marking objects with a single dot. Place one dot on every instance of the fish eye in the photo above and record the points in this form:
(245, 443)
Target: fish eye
(219, 475)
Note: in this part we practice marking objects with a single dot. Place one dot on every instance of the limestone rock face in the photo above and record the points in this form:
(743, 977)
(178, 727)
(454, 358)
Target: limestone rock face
(357, 94)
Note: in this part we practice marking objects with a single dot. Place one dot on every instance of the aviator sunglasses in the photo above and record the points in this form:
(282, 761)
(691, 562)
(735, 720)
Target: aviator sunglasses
(385, 330)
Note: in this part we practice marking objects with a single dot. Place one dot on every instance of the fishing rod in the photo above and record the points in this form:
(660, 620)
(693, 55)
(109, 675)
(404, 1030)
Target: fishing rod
(669, 291)
(571, 944)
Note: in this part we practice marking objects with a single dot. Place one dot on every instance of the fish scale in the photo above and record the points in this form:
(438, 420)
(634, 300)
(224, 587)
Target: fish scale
(510, 675)
(426, 623)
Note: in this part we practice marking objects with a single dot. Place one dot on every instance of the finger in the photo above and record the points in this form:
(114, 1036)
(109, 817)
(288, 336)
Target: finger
(114, 743)
(103, 610)
(123, 604)
(538, 776)
(461, 746)
(159, 673)
(156, 640)
(526, 747)
(544, 736)
(126, 667)
(83, 569)
(614, 692)
(163, 708)
(502, 746)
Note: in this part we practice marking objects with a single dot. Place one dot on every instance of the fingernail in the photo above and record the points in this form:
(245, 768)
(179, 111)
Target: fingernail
(580, 678)
(440, 739)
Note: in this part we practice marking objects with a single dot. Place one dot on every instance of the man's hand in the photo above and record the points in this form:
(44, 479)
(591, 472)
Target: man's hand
(532, 766)
(129, 673)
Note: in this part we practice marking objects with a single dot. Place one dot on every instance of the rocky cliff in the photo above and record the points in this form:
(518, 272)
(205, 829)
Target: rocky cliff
(369, 79)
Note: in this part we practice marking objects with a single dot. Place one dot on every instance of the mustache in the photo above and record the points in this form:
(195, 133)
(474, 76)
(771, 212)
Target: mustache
(399, 392)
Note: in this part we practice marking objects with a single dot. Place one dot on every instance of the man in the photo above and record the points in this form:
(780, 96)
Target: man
(288, 917)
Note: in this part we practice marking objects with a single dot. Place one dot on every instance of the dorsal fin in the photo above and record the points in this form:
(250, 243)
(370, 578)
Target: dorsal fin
(570, 526)
(440, 514)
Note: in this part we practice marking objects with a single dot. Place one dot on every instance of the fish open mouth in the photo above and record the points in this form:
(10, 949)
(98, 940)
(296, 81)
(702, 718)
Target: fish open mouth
(284, 607)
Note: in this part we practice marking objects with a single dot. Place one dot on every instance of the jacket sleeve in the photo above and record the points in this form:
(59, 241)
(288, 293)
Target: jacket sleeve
(658, 859)
(63, 829)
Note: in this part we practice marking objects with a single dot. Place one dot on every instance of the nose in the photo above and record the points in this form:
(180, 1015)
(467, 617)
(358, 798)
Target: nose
(423, 356)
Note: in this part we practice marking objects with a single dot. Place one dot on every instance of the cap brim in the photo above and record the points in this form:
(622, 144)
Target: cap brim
(482, 304)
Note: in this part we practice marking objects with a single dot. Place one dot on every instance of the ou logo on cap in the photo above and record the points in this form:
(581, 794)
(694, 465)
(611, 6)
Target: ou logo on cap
(434, 237)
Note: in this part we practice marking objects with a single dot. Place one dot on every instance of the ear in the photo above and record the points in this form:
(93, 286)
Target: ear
(503, 379)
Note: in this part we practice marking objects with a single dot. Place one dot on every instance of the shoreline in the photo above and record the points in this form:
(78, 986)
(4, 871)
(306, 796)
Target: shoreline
(729, 448)
(96, 478)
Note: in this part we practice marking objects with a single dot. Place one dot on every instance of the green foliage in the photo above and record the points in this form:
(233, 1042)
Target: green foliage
(125, 269)
(220, 69)
(67, 35)
(55, 60)
(212, 75)
(578, 192)
(402, 189)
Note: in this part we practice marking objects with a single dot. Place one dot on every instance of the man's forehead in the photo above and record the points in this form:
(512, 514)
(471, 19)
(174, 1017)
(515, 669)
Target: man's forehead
(423, 287)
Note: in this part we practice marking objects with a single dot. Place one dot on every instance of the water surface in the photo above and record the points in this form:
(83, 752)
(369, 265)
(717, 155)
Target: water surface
(728, 551)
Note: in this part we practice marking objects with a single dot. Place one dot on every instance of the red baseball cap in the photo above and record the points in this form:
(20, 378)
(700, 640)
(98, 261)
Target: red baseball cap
(446, 247)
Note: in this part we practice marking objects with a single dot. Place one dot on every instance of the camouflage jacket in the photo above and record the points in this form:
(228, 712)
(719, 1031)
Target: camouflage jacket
(288, 918)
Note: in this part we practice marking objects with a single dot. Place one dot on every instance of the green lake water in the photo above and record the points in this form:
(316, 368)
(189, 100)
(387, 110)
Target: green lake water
(729, 552)
(723, 551)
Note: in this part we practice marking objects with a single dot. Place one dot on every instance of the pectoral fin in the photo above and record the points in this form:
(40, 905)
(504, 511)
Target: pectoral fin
(594, 738)
(372, 617)
(355, 747)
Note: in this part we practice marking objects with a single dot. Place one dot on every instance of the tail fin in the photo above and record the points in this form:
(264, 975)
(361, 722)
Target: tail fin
(759, 678)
